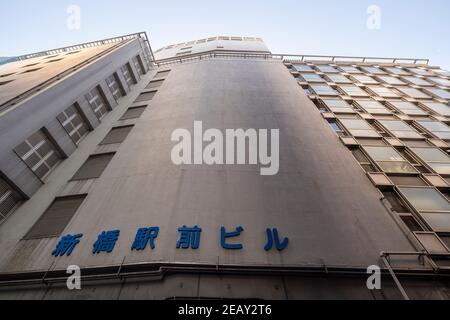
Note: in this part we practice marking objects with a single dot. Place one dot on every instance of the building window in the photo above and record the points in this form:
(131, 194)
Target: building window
(440, 81)
(359, 128)
(400, 129)
(417, 81)
(438, 129)
(138, 65)
(353, 91)
(39, 154)
(114, 86)
(146, 96)
(128, 75)
(303, 68)
(73, 123)
(389, 160)
(338, 78)
(335, 126)
(407, 108)
(155, 84)
(117, 135)
(364, 79)
(9, 199)
(420, 72)
(413, 93)
(383, 91)
(133, 113)
(373, 107)
(93, 167)
(97, 102)
(432, 206)
(324, 90)
(338, 106)
(162, 74)
(438, 93)
(349, 69)
(373, 70)
(326, 69)
(56, 218)
(397, 71)
(311, 77)
(391, 80)
(438, 108)
(435, 158)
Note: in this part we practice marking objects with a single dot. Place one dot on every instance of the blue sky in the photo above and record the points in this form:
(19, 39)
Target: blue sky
(409, 28)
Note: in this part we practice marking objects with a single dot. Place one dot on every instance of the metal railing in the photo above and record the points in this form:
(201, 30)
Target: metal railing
(142, 35)
(343, 59)
(290, 58)
(214, 54)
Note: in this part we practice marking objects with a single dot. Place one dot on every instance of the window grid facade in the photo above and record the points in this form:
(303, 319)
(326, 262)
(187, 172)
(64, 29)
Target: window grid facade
(128, 74)
(74, 124)
(395, 119)
(97, 103)
(113, 84)
(39, 154)
(9, 199)
(138, 65)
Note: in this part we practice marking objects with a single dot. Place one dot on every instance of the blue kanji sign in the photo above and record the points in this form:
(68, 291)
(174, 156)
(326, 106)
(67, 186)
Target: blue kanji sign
(66, 245)
(106, 241)
(145, 236)
(189, 238)
(274, 238)
(224, 236)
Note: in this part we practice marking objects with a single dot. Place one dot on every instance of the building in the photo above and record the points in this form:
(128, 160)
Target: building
(86, 172)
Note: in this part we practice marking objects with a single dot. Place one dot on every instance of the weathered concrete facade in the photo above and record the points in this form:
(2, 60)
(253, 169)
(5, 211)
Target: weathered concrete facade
(321, 199)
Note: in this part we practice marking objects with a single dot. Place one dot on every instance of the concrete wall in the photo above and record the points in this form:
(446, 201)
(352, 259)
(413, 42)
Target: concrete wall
(321, 198)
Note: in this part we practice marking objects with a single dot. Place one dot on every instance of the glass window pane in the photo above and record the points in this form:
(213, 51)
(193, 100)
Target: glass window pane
(431, 154)
(324, 90)
(440, 93)
(440, 168)
(356, 124)
(417, 81)
(365, 79)
(439, 108)
(397, 167)
(337, 78)
(312, 77)
(354, 91)
(440, 81)
(391, 80)
(384, 154)
(383, 91)
(303, 67)
(426, 199)
(407, 108)
(413, 93)
(326, 69)
(349, 69)
(439, 222)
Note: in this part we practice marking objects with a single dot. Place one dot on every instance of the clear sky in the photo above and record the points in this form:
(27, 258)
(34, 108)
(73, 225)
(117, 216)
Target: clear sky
(408, 28)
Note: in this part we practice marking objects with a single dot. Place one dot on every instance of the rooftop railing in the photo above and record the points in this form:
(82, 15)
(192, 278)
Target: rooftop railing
(289, 58)
(142, 35)
(348, 59)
